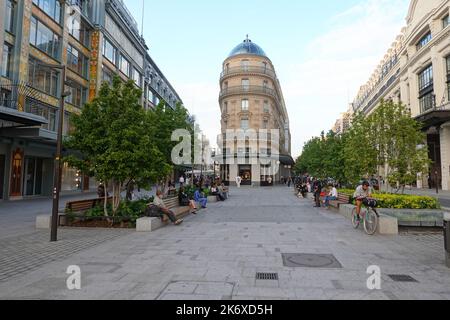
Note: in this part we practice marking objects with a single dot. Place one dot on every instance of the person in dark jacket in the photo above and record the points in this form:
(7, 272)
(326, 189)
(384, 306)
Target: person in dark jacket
(317, 187)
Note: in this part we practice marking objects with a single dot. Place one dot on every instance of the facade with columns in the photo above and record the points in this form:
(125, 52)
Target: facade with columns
(251, 99)
(94, 40)
(416, 72)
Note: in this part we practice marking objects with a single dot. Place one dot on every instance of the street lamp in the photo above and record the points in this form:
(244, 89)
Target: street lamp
(57, 168)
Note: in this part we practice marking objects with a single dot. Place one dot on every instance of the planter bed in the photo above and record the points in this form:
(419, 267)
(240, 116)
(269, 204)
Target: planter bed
(98, 222)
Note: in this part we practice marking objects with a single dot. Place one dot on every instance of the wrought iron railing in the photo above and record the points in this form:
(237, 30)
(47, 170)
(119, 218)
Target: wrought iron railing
(249, 90)
(249, 69)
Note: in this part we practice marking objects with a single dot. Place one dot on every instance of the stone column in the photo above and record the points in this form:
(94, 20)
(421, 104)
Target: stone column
(445, 155)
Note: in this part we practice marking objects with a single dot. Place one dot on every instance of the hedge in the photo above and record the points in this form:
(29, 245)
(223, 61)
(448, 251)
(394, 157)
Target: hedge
(397, 201)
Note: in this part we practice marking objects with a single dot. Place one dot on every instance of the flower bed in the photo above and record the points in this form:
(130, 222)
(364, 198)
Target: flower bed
(398, 201)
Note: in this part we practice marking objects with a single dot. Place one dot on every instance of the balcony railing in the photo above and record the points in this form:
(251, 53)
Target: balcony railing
(247, 70)
(249, 90)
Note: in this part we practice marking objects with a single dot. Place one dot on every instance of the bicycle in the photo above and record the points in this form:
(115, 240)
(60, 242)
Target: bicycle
(369, 216)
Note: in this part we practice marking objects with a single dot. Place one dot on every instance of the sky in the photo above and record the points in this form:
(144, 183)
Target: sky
(323, 51)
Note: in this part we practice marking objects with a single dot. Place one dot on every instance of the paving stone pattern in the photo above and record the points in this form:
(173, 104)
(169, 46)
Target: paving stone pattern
(217, 253)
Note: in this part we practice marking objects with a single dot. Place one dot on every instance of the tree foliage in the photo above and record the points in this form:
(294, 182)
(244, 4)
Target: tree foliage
(389, 141)
(119, 141)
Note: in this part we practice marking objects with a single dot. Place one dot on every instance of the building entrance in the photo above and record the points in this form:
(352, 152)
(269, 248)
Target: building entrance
(245, 172)
(33, 177)
(434, 147)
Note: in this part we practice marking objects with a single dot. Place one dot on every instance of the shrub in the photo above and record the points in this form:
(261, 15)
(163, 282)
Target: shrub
(396, 201)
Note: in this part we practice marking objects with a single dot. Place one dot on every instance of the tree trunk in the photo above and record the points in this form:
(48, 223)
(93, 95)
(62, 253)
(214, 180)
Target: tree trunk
(116, 196)
(105, 204)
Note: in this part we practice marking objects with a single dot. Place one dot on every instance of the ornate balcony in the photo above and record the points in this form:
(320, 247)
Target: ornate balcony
(249, 70)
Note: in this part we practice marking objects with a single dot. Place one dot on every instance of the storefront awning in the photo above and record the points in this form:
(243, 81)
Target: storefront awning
(434, 118)
(29, 133)
(21, 118)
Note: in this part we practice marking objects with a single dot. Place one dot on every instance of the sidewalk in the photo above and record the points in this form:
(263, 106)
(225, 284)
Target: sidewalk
(19, 217)
(218, 253)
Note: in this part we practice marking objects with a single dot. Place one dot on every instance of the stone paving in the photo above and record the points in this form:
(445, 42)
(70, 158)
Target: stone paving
(217, 253)
(19, 217)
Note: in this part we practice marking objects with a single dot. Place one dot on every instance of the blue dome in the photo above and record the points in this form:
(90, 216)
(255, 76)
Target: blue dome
(247, 47)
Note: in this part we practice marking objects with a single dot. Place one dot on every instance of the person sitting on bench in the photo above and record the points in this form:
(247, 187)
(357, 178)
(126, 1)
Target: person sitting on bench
(184, 200)
(332, 196)
(215, 192)
(198, 197)
(158, 201)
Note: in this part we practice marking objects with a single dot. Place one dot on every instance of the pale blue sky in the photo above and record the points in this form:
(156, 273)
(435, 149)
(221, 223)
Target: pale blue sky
(323, 50)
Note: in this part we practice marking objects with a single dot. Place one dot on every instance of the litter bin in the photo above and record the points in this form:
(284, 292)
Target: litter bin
(447, 238)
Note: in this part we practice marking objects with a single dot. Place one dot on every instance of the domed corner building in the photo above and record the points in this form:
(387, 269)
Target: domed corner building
(251, 101)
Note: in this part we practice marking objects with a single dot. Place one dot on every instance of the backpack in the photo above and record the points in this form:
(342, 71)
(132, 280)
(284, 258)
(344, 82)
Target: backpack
(153, 211)
(371, 203)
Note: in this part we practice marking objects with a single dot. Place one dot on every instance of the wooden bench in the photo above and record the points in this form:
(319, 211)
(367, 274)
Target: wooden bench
(81, 206)
(174, 205)
(342, 199)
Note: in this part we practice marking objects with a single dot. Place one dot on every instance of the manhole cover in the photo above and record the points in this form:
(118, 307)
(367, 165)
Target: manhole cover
(402, 278)
(306, 260)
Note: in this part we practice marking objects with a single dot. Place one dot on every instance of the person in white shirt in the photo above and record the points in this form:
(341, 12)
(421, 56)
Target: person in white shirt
(238, 181)
(181, 181)
(332, 196)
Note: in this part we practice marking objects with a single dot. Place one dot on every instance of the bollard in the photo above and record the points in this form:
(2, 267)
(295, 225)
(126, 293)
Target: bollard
(447, 238)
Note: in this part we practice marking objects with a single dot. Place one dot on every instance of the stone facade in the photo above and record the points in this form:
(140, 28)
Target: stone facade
(251, 99)
(416, 72)
(69, 33)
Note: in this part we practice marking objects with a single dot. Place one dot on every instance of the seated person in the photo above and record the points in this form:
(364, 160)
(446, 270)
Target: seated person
(215, 192)
(184, 200)
(172, 189)
(223, 191)
(362, 193)
(199, 197)
(332, 196)
(158, 202)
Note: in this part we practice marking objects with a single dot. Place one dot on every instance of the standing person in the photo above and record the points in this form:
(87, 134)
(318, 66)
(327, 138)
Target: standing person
(158, 202)
(198, 197)
(238, 181)
(289, 182)
(317, 186)
(269, 180)
(182, 181)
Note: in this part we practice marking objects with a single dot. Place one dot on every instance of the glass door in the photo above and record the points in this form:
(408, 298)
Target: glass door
(33, 177)
(245, 172)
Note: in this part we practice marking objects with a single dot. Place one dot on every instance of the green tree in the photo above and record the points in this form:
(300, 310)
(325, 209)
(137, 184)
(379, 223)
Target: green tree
(399, 144)
(359, 152)
(113, 135)
(165, 121)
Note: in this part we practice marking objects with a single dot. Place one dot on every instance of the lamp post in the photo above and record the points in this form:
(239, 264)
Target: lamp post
(57, 168)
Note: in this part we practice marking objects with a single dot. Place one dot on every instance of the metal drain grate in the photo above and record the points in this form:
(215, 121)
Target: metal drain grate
(266, 276)
(402, 278)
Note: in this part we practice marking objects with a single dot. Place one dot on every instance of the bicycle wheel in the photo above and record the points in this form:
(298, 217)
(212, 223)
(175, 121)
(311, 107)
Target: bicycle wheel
(355, 221)
(371, 222)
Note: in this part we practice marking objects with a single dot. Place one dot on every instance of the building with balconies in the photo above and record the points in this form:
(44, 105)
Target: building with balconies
(94, 40)
(251, 101)
(416, 72)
